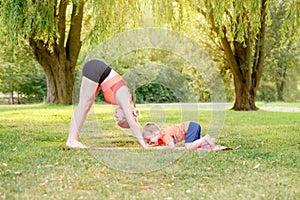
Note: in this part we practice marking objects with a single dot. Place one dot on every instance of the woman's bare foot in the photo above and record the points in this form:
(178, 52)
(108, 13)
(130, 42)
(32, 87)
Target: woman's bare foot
(76, 144)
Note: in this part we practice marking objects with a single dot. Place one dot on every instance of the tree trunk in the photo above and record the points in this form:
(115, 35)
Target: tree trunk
(245, 83)
(19, 98)
(11, 98)
(280, 88)
(280, 81)
(59, 73)
(245, 98)
(60, 81)
(59, 58)
(245, 59)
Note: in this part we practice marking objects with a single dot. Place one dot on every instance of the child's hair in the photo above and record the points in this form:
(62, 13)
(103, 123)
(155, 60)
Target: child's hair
(149, 128)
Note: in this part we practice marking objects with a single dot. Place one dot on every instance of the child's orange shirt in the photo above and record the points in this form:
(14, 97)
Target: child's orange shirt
(173, 134)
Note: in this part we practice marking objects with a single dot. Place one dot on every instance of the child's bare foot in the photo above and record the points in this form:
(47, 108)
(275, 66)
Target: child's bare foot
(213, 140)
(209, 140)
(76, 144)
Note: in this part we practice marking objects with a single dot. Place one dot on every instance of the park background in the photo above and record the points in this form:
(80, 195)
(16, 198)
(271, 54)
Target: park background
(254, 45)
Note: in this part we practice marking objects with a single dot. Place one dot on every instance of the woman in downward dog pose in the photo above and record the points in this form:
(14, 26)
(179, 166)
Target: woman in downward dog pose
(96, 74)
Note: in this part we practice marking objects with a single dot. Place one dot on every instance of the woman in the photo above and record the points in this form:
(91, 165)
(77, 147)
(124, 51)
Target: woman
(96, 74)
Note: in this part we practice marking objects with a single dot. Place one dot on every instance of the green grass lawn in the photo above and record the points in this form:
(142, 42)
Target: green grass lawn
(34, 163)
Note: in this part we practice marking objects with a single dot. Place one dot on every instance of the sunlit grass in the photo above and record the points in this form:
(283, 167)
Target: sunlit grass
(34, 163)
(279, 103)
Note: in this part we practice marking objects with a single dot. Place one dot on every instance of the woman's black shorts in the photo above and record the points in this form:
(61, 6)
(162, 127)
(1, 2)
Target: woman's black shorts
(96, 71)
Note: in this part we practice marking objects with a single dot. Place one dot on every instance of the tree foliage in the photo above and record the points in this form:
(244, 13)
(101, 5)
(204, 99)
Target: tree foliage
(55, 30)
(238, 29)
(20, 76)
(53, 33)
(25, 82)
(282, 60)
(233, 31)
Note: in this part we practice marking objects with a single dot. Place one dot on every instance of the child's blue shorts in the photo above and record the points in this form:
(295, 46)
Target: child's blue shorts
(193, 133)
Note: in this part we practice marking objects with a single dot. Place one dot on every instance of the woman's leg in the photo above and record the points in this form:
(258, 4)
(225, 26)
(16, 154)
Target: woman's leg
(88, 91)
(123, 99)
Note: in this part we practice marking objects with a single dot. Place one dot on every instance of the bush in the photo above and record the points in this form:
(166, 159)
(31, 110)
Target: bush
(266, 93)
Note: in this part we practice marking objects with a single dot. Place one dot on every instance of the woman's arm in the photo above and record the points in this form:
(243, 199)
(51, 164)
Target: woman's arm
(124, 100)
